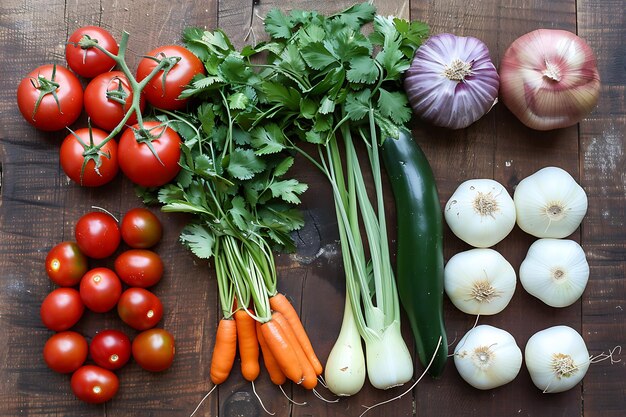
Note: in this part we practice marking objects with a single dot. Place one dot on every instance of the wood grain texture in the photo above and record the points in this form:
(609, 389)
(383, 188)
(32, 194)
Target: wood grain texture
(39, 206)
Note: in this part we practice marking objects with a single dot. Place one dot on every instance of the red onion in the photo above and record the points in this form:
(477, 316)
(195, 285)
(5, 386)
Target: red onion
(549, 79)
(452, 81)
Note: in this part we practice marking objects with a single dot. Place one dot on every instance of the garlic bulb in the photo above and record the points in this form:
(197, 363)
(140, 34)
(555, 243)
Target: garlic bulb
(549, 79)
(487, 357)
(555, 271)
(480, 212)
(479, 281)
(557, 358)
(549, 203)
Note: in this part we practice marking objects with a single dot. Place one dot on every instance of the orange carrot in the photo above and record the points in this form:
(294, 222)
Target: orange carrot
(308, 372)
(276, 374)
(280, 303)
(224, 351)
(248, 345)
(282, 350)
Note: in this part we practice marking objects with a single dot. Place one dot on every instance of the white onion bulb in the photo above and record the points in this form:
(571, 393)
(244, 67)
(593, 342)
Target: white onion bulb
(555, 271)
(480, 212)
(557, 359)
(479, 281)
(487, 357)
(549, 203)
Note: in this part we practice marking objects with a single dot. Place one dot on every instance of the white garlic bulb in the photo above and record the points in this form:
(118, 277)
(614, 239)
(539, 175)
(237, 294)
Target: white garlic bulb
(480, 212)
(549, 203)
(555, 271)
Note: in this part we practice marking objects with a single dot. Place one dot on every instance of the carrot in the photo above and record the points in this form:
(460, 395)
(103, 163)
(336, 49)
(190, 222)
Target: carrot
(248, 345)
(282, 350)
(224, 350)
(308, 372)
(276, 374)
(281, 304)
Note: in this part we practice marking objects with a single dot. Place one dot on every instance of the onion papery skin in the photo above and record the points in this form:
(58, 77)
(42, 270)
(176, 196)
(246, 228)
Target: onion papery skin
(542, 101)
(446, 102)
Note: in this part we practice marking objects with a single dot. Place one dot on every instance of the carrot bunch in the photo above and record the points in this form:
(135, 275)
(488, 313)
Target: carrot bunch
(271, 325)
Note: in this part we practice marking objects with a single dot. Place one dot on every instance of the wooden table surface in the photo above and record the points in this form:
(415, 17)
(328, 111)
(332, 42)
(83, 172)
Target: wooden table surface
(39, 205)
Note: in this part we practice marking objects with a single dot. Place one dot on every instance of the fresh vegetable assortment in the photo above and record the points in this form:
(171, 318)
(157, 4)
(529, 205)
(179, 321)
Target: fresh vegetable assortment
(222, 131)
(100, 290)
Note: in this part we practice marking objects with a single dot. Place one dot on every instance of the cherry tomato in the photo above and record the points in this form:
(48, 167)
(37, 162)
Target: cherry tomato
(97, 234)
(138, 162)
(72, 156)
(62, 309)
(141, 229)
(139, 267)
(154, 350)
(100, 289)
(139, 308)
(102, 97)
(90, 61)
(94, 384)
(176, 78)
(51, 113)
(110, 349)
(66, 264)
(65, 352)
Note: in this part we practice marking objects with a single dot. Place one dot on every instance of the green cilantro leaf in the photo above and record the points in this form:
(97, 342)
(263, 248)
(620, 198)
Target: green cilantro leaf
(244, 163)
(394, 105)
(288, 190)
(268, 139)
(277, 25)
(317, 56)
(284, 165)
(199, 240)
(357, 105)
(363, 69)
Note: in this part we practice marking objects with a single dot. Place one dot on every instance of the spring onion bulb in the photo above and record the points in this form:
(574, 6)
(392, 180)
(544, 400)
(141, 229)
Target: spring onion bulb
(480, 212)
(549, 203)
(452, 81)
(557, 359)
(487, 357)
(555, 271)
(479, 281)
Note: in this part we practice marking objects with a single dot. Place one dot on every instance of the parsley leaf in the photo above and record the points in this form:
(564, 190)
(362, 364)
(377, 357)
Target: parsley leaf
(244, 163)
(199, 240)
(277, 24)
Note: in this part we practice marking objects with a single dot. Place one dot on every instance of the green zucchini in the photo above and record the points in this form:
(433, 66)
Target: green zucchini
(419, 256)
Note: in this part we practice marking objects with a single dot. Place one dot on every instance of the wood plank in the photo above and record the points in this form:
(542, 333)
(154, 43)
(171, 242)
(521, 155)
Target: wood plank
(602, 162)
(501, 148)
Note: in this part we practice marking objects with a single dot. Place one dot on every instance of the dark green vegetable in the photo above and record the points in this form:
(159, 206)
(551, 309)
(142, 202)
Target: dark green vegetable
(420, 247)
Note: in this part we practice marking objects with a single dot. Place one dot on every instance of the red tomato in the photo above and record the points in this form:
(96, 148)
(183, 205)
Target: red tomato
(61, 309)
(66, 264)
(139, 308)
(50, 114)
(176, 79)
(139, 267)
(97, 234)
(141, 229)
(101, 97)
(65, 352)
(90, 61)
(138, 162)
(100, 289)
(72, 156)
(110, 349)
(154, 349)
(94, 384)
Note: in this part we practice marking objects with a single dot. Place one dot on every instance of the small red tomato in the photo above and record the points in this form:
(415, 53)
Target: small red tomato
(139, 267)
(154, 350)
(95, 169)
(138, 161)
(66, 264)
(141, 229)
(50, 113)
(62, 309)
(97, 234)
(94, 384)
(139, 308)
(164, 89)
(107, 99)
(65, 351)
(100, 289)
(110, 349)
(90, 61)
